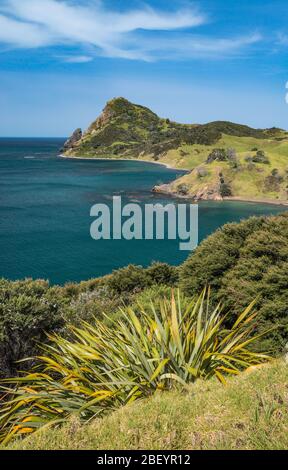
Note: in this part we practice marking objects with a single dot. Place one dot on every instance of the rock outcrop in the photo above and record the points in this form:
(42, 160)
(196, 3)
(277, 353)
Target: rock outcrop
(72, 141)
(207, 193)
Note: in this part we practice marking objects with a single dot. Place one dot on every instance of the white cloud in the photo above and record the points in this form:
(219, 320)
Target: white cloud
(34, 23)
(21, 34)
(77, 59)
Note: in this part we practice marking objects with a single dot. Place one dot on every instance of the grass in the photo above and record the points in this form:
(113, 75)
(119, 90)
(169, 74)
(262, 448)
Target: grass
(250, 412)
(244, 182)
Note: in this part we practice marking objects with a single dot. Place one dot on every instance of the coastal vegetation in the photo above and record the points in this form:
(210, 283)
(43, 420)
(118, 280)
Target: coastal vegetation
(29, 310)
(249, 413)
(102, 344)
(101, 368)
(223, 159)
(242, 262)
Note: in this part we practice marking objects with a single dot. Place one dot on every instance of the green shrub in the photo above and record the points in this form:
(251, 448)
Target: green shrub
(225, 189)
(183, 189)
(155, 295)
(128, 280)
(162, 273)
(260, 157)
(28, 309)
(243, 261)
(219, 155)
(92, 304)
(273, 181)
(133, 279)
(104, 367)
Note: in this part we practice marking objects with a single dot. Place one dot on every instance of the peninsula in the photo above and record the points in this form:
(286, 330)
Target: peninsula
(224, 160)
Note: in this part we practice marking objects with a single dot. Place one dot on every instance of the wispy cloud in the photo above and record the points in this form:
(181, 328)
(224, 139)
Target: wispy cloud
(193, 46)
(282, 39)
(125, 34)
(76, 59)
(20, 34)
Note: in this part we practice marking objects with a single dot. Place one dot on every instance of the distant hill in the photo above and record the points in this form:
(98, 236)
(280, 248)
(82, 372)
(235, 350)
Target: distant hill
(225, 160)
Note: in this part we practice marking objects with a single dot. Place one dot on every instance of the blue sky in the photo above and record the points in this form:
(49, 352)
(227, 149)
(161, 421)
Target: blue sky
(191, 61)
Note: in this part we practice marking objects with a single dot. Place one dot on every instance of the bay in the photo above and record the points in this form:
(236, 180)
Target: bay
(45, 204)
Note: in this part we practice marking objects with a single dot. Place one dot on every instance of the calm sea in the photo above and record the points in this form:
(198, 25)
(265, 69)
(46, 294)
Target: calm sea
(45, 218)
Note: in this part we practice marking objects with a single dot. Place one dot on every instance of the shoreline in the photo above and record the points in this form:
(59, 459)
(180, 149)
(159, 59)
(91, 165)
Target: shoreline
(270, 202)
(280, 202)
(274, 202)
(171, 194)
(167, 165)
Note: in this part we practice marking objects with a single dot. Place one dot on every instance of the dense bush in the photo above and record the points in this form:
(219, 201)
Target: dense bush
(225, 190)
(219, 155)
(31, 309)
(133, 279)
(28, 309)
(260, 157)
(89, 305)
(238, 130)
(273, 181)
(244, 261)
(222, 155)
(155, 295)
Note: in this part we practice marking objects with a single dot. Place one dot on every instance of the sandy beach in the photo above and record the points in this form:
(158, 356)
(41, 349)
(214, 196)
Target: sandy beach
(167, 165)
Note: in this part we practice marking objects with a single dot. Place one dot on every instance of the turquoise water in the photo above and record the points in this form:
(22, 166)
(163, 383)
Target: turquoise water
(45, 218)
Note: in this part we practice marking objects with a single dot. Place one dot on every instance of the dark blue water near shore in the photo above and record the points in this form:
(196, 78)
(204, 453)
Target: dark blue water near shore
(45, 218)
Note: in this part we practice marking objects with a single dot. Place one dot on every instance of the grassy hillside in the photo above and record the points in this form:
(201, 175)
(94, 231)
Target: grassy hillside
(255, 167)
(246, 177)
(250, 412)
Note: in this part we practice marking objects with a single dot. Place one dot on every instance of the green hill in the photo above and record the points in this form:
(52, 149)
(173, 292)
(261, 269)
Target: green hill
(250, 412)
(244, 168)
(223, 159)
(130, 130)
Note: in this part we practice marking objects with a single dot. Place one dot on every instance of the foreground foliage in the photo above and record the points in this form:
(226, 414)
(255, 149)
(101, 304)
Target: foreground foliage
(104, 367)
(242, 262)
(29, 309)
(249, 413)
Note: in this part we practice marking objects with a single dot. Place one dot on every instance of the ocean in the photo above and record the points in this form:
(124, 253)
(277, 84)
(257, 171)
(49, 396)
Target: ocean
(45, 204)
